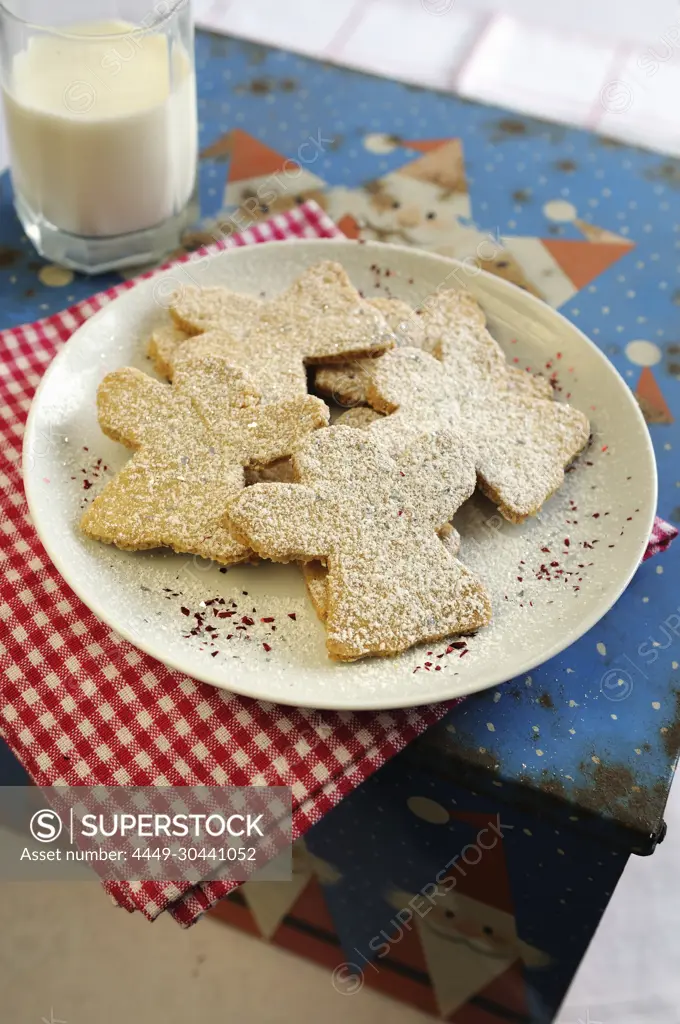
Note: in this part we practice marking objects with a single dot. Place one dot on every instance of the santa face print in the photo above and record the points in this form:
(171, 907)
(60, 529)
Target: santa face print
(401, 209)
(467, 945)
(488, 931)
(457, 920)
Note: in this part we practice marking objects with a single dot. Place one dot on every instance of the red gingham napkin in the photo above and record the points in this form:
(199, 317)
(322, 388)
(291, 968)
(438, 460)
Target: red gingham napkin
(661, 536)
(80, 706)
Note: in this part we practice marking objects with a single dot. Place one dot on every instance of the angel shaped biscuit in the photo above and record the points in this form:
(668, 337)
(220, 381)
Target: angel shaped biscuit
(235, 313)
(192, 442)
(418, 374)
(348, 383)
(315, 574)
(373, 520)
(320, 318)
(456, 316)
(522, 442)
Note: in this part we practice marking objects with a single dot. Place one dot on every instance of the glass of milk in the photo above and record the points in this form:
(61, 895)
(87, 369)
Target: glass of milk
(100, 105)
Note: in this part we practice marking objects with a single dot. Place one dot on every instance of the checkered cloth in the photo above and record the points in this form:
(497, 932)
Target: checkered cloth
(81, 706)
(661, 536)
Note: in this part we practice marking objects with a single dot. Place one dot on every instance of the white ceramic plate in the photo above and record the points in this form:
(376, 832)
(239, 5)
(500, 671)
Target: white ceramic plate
(604, 511)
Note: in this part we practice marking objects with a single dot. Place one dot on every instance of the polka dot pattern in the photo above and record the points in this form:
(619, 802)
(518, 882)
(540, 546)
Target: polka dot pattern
(560, 210)
(643, 353)
(428, 810)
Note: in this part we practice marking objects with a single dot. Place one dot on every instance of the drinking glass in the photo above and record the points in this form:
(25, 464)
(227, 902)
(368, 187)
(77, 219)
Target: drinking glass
(100, 106)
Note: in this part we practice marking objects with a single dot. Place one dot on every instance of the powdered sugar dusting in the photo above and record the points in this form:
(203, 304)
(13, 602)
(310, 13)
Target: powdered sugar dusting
(320, 318)
(298, 670)
(372, 518)
(192, 442)
(522, 441)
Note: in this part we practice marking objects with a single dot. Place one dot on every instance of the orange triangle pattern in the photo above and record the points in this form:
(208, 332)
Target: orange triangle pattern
(252, 159)
(582, 262)
(652, 402)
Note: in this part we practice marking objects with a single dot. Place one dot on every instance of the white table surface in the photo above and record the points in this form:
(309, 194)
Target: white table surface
(607, 64)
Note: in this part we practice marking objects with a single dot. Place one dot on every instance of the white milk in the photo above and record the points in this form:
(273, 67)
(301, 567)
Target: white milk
(102, 141)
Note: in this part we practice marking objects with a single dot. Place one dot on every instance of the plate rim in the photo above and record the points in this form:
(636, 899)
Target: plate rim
(376, 703)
